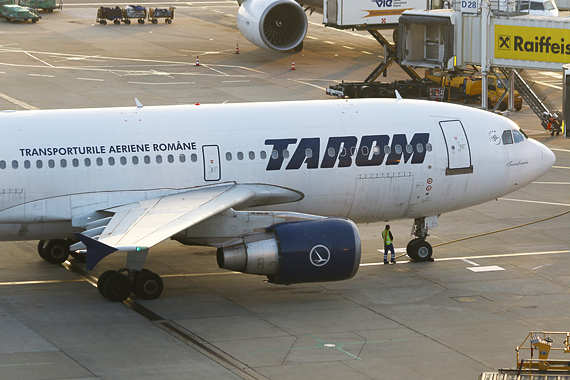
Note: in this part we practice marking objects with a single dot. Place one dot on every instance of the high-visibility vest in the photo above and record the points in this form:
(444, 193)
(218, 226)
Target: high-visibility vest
(386, 237)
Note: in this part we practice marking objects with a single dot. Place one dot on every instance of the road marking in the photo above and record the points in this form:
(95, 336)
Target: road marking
(155, 84)
(366, 52)
(19, 103)
(549, 85)
(329, 42)
(553, 183)
(98, 80)
(491, 268)
(540, 266)
(470, 262)
(561, 167)
(560, 150)
(23, 365)
(537, 202)
(41, 75)
(36, 58)
(234, 81)
(348, 47)
(38, 282)
(311, 37)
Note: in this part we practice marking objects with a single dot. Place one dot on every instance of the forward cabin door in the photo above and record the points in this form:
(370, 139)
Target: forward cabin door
(212, 170)
(458, 150)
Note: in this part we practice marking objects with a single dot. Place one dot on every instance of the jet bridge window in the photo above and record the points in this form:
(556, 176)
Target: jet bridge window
(2, 164)
(507, 137)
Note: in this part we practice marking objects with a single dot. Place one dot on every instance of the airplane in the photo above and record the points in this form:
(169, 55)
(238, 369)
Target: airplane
(276, 187)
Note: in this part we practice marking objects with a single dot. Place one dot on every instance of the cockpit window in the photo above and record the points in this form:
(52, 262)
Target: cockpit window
(507, 137)
(518, 136)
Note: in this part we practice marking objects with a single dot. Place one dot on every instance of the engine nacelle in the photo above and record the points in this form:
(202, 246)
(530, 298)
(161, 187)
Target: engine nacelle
(278, 25)
(297, 252)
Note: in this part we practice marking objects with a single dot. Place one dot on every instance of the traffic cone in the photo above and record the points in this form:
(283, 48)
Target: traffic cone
(237, 49)
(197, 61)
(293, 66)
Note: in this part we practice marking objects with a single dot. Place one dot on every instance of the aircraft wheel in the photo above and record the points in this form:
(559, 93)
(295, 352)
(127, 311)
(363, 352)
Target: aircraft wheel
(518, 108)
(148, 285)
(56, 251)
(421, 251)
(41, 244)
(117, 287)
(102, 279)
(410, 246)
(503, 106)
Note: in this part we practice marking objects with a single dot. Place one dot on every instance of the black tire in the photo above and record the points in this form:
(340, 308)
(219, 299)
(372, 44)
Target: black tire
(148, 285)
(503, 106)
(117, 22)
(421, 251)
(410, 246)
(366, 92)
(56, 251)
(102, 279)
(155, 21)
(41, 244)
(168, 21)
(128, 22)
(518, 108)
(395, 36)
(117, 287)
(104, 22)
(489, 103)
(50, 10)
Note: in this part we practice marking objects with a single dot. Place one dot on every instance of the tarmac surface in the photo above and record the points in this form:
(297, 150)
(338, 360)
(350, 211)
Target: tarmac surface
(500, 269)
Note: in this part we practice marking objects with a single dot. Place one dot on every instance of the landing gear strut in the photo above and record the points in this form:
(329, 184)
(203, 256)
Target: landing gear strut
(118, 285)
(419, 249)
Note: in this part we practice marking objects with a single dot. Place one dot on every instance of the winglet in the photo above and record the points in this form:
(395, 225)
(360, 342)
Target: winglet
(139, 104)
(96, 251)
(398, 96)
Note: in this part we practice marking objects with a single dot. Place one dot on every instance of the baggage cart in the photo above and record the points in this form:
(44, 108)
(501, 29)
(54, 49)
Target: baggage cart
(111, 14)
(134, 11)
(45, 5)
(12, 12)
(155, 13)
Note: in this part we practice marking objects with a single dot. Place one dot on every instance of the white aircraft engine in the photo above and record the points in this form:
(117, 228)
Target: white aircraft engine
(298, 252)
(278, 25)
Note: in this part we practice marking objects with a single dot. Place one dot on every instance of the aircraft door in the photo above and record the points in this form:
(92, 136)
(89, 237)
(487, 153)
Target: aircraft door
(212, 170)
(458, 150)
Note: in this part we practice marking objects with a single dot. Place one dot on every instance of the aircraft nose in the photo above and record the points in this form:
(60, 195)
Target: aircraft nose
(548, 159)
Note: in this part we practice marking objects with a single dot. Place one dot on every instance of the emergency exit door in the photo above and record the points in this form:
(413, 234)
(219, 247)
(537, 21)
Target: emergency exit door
(458, 150)
(211, 154)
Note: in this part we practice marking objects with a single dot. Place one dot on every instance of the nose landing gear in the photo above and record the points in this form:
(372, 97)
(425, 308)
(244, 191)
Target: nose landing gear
(419, 249)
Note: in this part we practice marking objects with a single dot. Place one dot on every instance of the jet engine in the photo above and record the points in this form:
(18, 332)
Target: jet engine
(297, 252)
(278, 25)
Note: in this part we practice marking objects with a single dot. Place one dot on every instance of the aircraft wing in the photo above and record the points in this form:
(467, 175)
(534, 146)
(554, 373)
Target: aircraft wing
(141, 225)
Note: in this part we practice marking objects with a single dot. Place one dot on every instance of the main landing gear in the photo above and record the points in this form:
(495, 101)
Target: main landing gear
(118, 285)
(419, 249)
(57, 251)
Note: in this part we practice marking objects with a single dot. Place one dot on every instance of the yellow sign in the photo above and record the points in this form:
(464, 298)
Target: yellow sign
(532, 44)
(386, 12)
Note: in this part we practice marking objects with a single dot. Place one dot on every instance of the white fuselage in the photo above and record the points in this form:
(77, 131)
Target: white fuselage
(62, 164)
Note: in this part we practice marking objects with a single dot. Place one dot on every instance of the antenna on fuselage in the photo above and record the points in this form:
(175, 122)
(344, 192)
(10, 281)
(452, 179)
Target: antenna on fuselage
(139, 104)
(398, 96)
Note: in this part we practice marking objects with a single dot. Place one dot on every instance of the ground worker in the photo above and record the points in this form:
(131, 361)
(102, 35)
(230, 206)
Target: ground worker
(553, 124)
(388, 245)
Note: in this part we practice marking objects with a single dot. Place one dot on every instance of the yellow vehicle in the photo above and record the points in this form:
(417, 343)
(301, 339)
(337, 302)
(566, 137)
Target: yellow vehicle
(468, 87)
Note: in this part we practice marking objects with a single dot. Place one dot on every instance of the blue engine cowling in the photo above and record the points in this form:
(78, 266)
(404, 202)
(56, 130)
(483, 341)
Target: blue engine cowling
(298, 252)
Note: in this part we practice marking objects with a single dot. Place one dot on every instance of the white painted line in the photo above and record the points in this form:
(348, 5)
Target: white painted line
(470, 262)
(41, 75)
(397, 250)
(348, 47)
(491, 268)
(366, 52)
(17, 102)
(560, 150)
(536, 202)
(329, 42)
(549, 85)
(551, 74)
(540, 266)
(234, 81)
(2, 72)
(161, 84)
(44, 62)
(560, 167)
(553, 183)
(98, 80)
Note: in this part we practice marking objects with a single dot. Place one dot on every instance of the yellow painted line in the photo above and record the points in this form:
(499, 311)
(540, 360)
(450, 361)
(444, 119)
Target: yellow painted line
(38, 282)
(199, 274)
(561, 167)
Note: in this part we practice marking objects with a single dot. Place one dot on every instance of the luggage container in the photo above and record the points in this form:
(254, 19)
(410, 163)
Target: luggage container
(45, 5)
(134, 11)
(155, 13)
(12, 12)
(111, 14)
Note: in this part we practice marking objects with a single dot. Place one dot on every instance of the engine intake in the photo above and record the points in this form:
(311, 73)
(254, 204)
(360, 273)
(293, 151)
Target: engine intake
(298, 252)
(278, 25)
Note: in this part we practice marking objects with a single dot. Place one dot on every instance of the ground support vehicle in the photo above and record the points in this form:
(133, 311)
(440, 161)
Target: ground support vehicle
(5, 2)
(45, 5)
(155, 13)
(111, 14)
(406, 88)
(12, 12)
(134, 11)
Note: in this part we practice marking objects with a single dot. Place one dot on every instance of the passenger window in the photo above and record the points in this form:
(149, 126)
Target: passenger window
(87, 162)
(75, 162)
(376, 150)
(398, 149)
(228, 156)
(239, 155)
(182, 158)
(27, 164)
(251, 156)
(365, 151)
(308, 152)
(420, 148)
(135, 160)
(147, 159)
(387, 149)
(51, 164)
(429, 147)
(518, 137)
(2, 164)
(159, 159)
(285, 153)
(39, 164)
(274, 154)
(353, 151)
(123, 160)
(111, 161)
(342, 152)
(99, 161)
(331, 152)
(409, 148)
(170, 158)
(507, 137)
(193, 157)
(14, 164)
(263, 155)
(63, 163)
